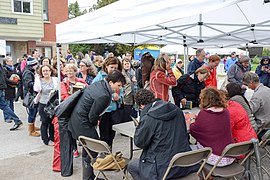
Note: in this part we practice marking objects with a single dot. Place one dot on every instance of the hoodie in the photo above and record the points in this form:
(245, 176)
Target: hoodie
(161, 134)
(263, 74)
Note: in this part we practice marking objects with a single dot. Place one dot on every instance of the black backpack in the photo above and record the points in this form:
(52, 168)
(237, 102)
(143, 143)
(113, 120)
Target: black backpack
(65, 108)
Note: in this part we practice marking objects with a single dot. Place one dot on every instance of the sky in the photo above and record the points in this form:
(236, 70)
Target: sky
(84, 4)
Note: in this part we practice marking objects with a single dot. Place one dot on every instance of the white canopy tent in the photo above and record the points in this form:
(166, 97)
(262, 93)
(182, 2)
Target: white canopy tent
(197, 23)
(177, 49)
(225, 51)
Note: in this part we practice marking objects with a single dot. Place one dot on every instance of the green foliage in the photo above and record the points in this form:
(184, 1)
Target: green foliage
(100, 4)
(117, 49)
(266, 52)
(254, 66)
(256, 60)
(74, 10)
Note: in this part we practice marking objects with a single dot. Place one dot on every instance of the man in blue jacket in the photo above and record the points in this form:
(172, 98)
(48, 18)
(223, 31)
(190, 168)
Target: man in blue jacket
(197, 62)
(161, 134)
(3, 106)
(231, 61)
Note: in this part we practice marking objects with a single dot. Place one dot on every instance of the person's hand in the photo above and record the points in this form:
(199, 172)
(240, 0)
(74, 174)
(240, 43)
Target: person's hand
(116, 97)
(243, 87)
(263, 68)
(133, 79)
(183, 101)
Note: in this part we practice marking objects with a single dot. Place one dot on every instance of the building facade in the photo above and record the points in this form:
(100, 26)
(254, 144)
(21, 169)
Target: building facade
(30, 24)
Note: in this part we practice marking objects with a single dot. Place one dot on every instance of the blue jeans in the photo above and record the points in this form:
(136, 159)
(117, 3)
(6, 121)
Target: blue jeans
(10, 103)
(32, 113)
(6, 109)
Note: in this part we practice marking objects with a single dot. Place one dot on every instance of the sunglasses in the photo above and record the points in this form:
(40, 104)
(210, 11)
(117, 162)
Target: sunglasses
(180, 62)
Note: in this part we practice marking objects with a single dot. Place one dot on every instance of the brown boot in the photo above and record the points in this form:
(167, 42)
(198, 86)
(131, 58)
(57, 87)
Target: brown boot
(32, 131)
(36, 128)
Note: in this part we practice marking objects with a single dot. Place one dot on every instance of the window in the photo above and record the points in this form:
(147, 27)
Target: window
(23, 6)
(45, 10)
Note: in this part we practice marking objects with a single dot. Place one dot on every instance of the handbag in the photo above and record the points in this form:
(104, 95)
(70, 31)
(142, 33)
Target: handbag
(65, 108)
(50, 107)
(28, 101)
(108, 163)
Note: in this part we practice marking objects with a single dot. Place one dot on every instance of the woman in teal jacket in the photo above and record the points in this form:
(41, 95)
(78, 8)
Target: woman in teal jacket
(105, 127)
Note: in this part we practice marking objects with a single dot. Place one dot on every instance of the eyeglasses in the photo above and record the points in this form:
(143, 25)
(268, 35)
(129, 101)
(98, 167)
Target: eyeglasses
(266, 60)
(46, 70)
(180, 62)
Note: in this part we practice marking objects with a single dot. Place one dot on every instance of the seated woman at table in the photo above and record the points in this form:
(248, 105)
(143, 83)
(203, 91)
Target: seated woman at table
(234, 91)
(212, 125)
(240, 123)
(189, 87)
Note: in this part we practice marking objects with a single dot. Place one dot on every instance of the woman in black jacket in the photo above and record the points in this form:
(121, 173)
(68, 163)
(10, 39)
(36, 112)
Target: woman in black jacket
(189, 87)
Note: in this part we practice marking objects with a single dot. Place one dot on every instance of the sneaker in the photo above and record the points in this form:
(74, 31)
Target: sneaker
(50, 143)
(76, 153)
(16, 126)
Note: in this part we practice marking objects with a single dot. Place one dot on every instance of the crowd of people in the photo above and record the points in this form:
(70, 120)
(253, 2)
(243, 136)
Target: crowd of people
(156, 89)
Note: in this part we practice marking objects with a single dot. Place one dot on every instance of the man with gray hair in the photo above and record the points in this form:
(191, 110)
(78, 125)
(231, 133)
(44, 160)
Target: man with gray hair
(260, 100)
(237, 71)
(197, 62)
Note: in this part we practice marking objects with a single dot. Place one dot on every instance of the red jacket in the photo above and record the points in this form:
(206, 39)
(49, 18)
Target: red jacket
(65, 86)
(160, 82)
(240, 123)
(212, 80)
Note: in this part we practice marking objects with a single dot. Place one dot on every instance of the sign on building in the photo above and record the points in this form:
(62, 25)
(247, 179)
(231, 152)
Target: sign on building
(2, 48)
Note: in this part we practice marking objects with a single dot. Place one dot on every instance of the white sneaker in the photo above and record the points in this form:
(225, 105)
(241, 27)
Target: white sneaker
(50, 143)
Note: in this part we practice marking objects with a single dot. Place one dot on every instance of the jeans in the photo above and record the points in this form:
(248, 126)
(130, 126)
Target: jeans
(32, 113)
(133, 169)
(10, 103)
(46, 129)
(6, 109)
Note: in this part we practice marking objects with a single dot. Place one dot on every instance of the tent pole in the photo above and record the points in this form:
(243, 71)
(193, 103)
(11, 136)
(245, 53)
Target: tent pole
(200, 26)
(247, 49)
(185, 59)
(58, 46)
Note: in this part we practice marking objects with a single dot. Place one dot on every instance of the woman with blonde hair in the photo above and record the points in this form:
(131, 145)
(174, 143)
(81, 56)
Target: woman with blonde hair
(162, 77)
(189, 87)
(68, 86)
(212, 125)
(87, 71)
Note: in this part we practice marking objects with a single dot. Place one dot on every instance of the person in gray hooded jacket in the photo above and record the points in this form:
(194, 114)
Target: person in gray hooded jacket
(161, 134)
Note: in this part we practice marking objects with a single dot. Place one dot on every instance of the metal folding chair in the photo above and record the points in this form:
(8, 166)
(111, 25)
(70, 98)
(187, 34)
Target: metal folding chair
(234, 169)
(264, 151)
(99, 147)
(187, 159)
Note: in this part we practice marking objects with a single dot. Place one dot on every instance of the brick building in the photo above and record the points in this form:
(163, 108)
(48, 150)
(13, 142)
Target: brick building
(30, 24)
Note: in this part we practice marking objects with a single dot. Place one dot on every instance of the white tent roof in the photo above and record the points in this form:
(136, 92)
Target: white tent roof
(176, 49)
(225, 51)
(216, 23)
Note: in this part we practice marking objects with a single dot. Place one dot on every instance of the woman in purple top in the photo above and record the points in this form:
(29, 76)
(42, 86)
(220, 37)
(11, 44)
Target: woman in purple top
(212, 125)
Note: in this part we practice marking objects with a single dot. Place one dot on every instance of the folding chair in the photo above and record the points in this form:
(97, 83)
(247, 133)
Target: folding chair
(187, 159)
(99, 147)
(264, 151)
(234, 169)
